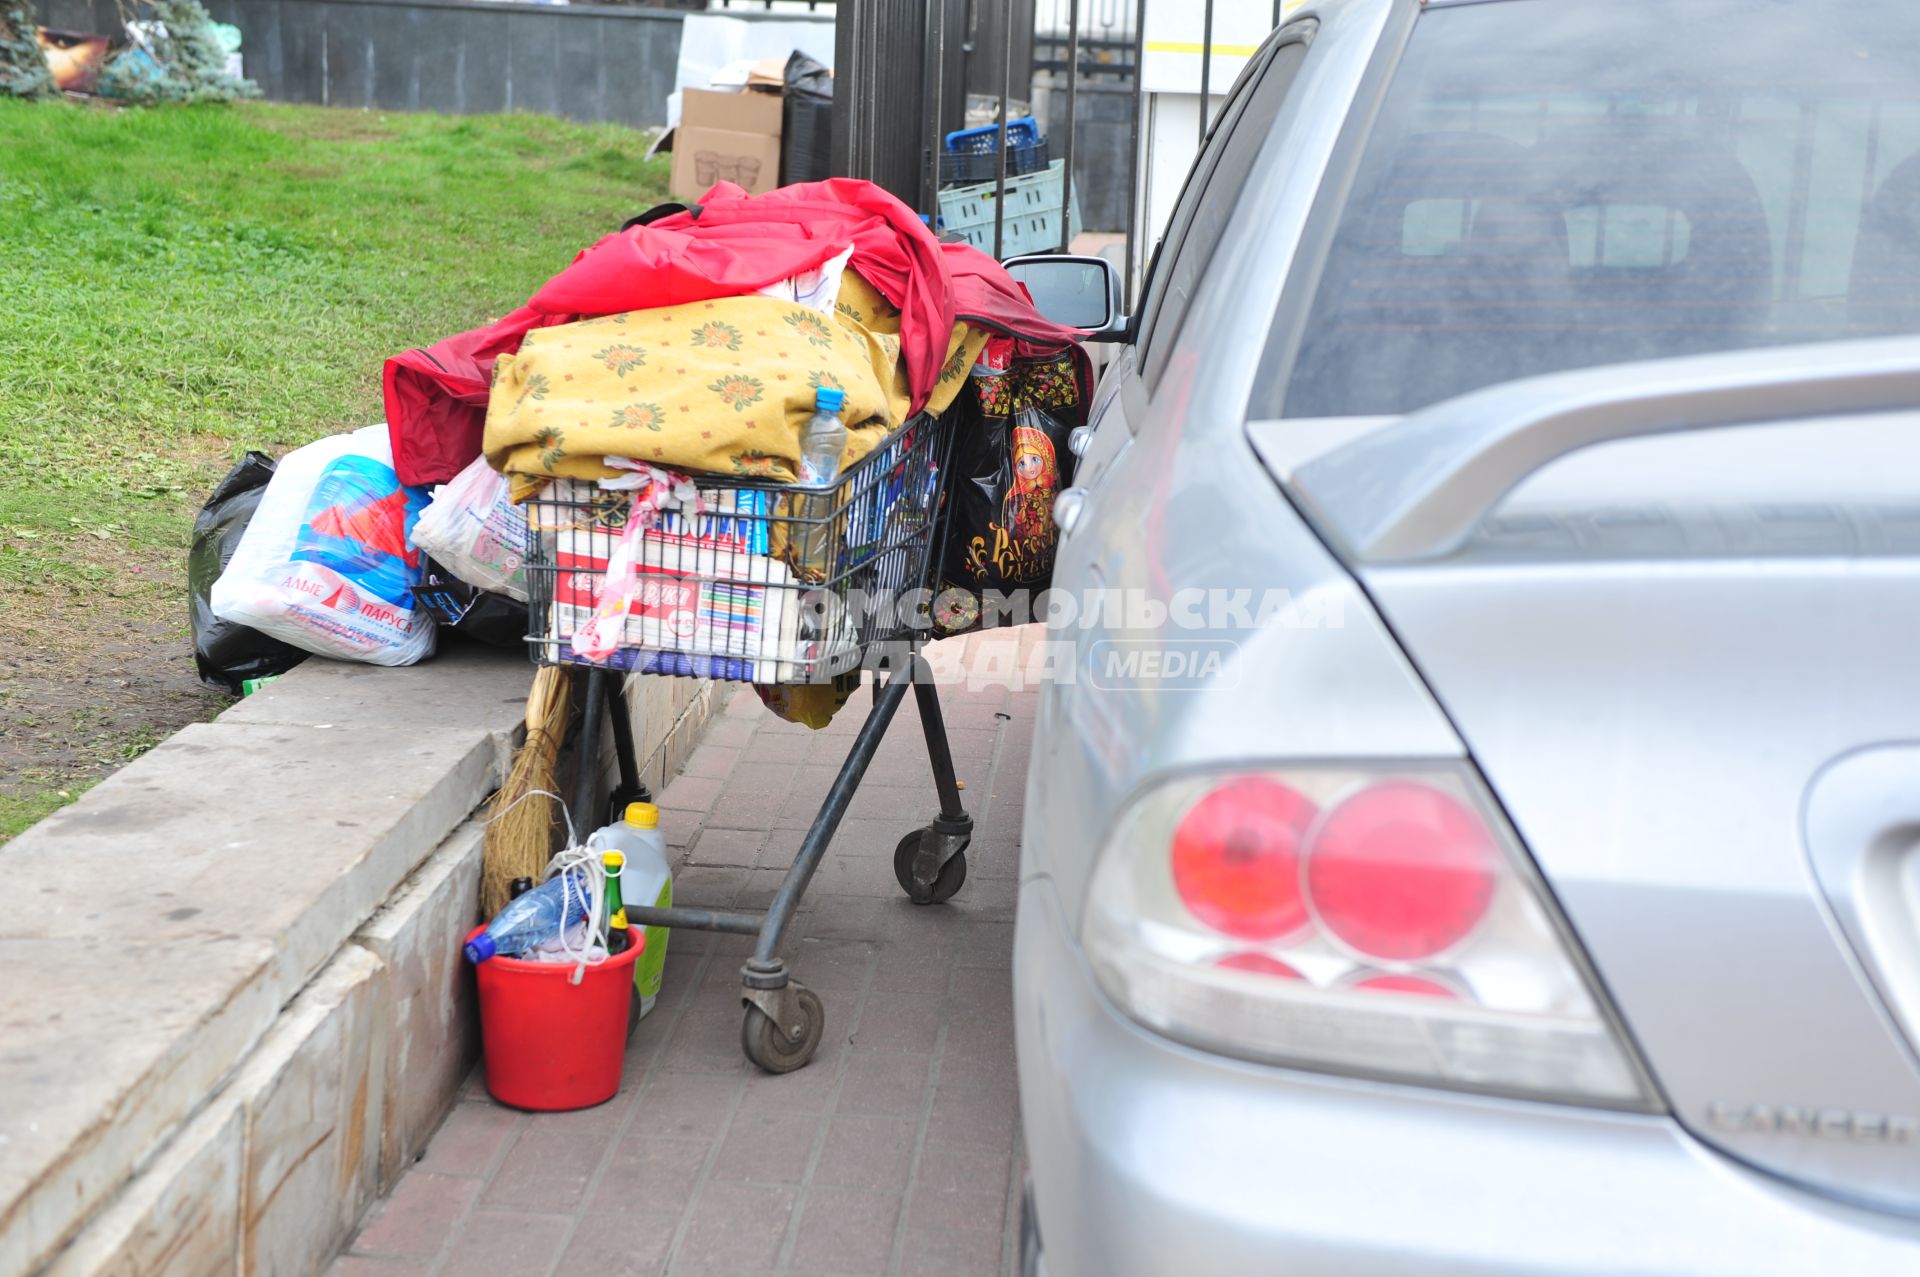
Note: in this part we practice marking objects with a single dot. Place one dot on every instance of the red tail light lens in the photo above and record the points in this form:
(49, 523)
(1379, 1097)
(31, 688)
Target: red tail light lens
(1414, 984)
(1236, 858)
(1401, 871)
(1261, 964)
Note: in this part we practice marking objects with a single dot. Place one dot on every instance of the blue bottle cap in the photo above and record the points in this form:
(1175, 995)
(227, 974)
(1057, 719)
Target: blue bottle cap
(480, 948)
(829, 399)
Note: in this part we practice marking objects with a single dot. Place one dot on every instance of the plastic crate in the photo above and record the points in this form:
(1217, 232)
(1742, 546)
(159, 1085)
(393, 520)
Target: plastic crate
(961, 168)
(1030, 224)
(1024, 131)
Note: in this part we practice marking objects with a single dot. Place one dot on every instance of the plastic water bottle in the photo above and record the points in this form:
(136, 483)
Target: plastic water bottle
(646, 878)
(821, 444)
(532, 918)
(823, 439)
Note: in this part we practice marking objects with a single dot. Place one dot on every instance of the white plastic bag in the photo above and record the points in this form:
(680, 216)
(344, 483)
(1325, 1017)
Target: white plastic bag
(817, 289)
(325, 564)
(476, 532)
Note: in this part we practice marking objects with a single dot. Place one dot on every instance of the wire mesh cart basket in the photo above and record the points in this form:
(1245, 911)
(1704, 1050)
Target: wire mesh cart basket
(767, 583)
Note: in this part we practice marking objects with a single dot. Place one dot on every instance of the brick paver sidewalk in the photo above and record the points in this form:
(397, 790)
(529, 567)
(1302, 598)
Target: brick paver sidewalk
(894, 1151)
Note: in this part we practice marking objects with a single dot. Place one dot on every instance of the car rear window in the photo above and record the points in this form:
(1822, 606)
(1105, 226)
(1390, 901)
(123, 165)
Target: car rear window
(1557, 184)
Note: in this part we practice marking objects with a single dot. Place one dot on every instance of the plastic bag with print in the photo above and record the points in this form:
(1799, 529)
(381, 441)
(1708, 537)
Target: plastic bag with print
(325, 563)
(1008, 465)
(473, 529)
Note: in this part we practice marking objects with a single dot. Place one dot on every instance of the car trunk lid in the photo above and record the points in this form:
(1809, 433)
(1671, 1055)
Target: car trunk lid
(1679, 648)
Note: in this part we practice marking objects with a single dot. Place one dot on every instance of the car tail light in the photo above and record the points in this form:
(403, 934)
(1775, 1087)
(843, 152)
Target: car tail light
(1375, 922)
(1236, 858)
(1402, 871)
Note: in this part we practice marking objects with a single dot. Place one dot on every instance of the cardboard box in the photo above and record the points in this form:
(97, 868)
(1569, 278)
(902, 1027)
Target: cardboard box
(768, 74)
(731, 137)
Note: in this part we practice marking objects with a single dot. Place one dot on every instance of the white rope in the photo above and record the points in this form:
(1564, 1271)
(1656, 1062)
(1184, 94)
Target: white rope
(586, 880)
(586, 874)
(573, 836)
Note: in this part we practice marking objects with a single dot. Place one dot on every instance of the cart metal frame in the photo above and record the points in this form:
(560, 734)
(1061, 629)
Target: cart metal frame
(783, 1021)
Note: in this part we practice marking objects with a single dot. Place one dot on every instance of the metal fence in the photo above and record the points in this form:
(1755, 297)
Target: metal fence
(1071, 61)
(1104, 29)
(1098, 49)
(904, 70)
(584, 62)
(785, 8)
(898, 63)
(1084, 50)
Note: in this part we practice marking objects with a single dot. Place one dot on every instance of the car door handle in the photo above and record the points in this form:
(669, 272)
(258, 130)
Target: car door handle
(1066, 508)
(1079, 439)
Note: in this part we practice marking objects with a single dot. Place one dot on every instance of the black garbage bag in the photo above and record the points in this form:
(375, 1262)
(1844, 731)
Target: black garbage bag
(806, 121)
(225, 652)
(1008, 464)
(472, 613)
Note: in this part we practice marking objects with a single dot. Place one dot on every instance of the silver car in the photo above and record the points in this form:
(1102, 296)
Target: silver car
(1475, 826)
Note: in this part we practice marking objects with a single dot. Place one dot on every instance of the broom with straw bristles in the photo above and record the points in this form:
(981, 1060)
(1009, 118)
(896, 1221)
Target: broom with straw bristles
(520, 819)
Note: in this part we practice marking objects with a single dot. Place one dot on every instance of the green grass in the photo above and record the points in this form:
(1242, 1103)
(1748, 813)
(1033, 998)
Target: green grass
(182, 283)
(18, 812)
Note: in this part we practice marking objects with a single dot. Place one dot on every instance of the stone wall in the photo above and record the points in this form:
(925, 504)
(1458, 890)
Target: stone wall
(339, 1096)
(236, 1007)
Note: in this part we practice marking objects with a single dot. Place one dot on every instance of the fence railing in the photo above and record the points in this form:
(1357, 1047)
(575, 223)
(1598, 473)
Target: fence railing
(584, 62)
(773, 6)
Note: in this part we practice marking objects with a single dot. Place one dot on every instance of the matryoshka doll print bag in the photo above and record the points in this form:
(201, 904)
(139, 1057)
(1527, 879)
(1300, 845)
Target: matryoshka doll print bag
(1008, 465)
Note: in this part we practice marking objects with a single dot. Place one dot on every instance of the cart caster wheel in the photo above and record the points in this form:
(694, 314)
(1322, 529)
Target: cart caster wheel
(768, 1046)
(946, 883)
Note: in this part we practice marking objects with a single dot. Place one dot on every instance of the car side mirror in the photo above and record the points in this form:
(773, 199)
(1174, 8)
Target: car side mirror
(1077, 291)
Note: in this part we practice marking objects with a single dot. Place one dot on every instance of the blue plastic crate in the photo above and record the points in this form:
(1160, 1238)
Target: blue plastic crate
(1024, 131)
(965, 168)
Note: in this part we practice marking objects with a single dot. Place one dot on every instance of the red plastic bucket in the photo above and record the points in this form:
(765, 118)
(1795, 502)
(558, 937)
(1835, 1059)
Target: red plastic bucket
(551, 1044)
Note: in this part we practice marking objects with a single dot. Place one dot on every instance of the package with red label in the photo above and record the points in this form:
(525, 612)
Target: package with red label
(665, 599)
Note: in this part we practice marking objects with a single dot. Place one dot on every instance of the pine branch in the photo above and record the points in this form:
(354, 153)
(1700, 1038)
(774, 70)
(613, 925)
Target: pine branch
(23, 67)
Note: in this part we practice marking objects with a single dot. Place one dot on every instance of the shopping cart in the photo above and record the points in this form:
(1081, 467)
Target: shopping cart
(771, 584)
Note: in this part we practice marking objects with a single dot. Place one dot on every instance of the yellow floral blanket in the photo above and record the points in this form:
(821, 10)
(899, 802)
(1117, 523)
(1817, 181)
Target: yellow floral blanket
(723, 387)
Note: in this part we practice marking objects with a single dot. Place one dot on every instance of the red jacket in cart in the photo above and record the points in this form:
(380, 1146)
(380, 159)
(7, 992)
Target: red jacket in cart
(728, 244)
